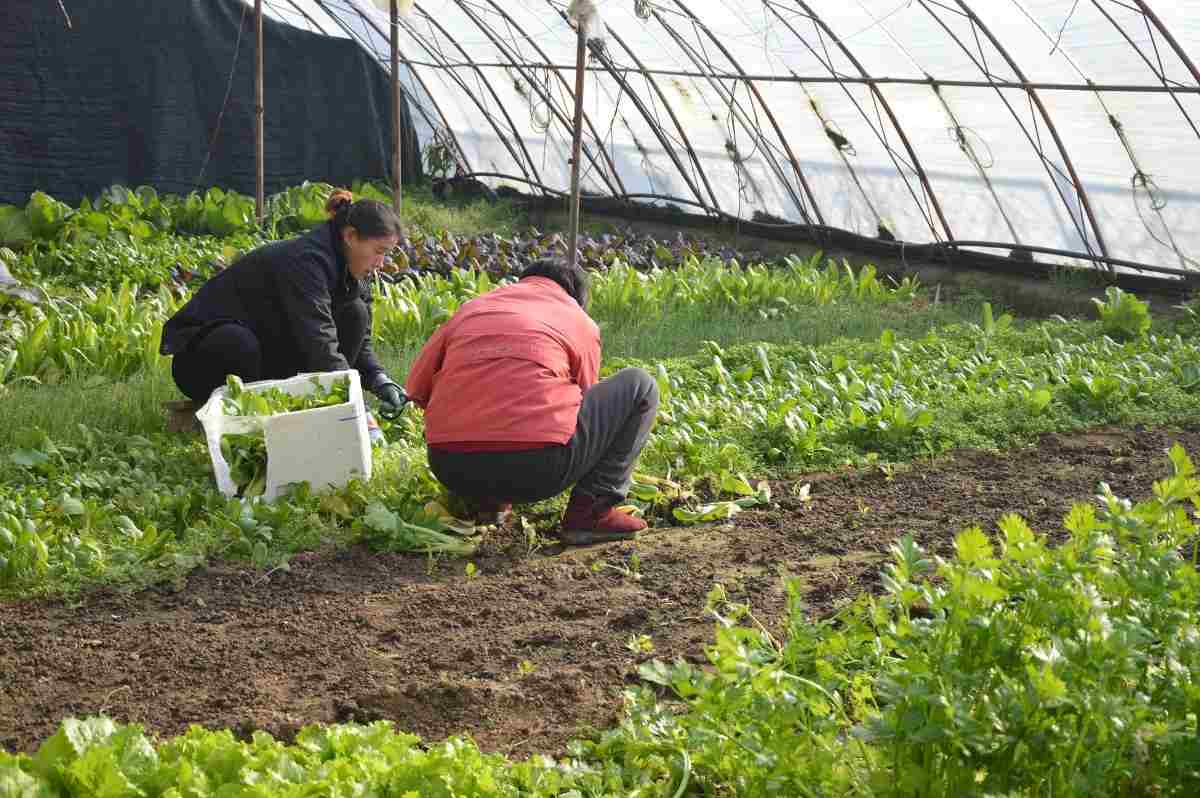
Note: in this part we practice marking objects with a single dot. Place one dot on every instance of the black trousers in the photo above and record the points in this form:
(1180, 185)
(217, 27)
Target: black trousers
(614, 423)
(234, 349)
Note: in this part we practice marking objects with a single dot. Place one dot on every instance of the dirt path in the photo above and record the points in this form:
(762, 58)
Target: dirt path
(534, 646)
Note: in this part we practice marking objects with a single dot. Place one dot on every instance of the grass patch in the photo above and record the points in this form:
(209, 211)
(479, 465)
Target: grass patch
(131, 406)
(683, 333)
(428, 214)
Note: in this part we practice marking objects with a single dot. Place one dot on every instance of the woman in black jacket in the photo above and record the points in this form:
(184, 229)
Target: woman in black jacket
(301, 305)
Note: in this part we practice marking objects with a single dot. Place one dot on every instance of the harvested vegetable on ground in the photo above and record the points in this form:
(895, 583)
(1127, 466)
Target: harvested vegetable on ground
(387, 531)
(246, 453)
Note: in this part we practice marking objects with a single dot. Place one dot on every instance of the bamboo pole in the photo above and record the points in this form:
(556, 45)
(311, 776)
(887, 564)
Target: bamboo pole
(577, 144)
(259, 148)
(397, 138)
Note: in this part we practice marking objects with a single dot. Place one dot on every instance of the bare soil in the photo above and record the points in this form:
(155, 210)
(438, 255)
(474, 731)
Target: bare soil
(531, 650)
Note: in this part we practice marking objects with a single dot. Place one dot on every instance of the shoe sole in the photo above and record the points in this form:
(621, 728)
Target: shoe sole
(581, 537)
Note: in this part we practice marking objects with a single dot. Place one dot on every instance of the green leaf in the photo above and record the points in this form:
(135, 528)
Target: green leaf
(127, 527)
(763, 492)
(1180, 461)
(655, 672)
(1038, 400)
(96, 774)
(27, 458)
(46, 215)
(1049, 688)
(707, 513)
(15, 229)
(764, 363)
(140, 230)
(336, 505)
(1081, 519)
(736, 484)
(983, 590)
(115, 770)
(380, 518)
(73, 739)
(644, 493)
(16, 783)
(1123, 316)
(973, 547)
(71, 506)
(1020, 543)
(95, 223)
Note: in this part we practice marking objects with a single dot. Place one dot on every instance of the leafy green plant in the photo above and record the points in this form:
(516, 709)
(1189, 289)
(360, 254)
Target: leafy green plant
(1063, 646)
(15, 229)
(1189, 321)
(887, 425)
(1122, 315)
(408, 312)
(148, 264)
(991, 324)
(215, 212)
(23, 552)
(110, 332)
(298, 209)
(621, 291)
(1013, 647)
(46, 215)
(1036, 400)
(1100, 391)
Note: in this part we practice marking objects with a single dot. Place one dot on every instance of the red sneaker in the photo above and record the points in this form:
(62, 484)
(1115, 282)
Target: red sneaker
(589, 521)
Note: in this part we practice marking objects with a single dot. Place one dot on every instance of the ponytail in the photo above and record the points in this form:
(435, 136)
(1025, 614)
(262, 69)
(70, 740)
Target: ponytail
(339, 199)
(371, 218)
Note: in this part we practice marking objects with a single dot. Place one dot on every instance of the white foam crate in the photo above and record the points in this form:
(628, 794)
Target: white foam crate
(326, 447)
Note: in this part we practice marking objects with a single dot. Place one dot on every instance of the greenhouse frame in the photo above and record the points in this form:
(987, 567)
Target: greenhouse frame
(1008, 126)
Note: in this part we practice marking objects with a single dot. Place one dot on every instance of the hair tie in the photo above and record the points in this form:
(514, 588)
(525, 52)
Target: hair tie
(337, 200)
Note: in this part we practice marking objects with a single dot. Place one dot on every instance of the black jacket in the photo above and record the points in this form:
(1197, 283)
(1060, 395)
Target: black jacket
(287, 293)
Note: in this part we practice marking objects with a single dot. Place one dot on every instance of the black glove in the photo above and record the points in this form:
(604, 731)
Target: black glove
(392, 400)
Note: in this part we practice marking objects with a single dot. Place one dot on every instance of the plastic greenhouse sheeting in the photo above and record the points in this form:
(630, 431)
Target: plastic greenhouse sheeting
(1067, 124)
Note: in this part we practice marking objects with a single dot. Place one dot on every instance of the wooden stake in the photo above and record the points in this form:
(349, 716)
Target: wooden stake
(577, 145)
(259, 153)
(397, 139)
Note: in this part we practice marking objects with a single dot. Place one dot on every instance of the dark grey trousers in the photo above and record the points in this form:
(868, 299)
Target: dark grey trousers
(614, 423)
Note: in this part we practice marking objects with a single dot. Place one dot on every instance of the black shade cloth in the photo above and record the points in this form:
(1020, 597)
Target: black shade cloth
(133, 91)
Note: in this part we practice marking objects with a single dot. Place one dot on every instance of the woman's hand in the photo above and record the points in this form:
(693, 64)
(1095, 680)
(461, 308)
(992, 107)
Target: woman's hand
(392, 400)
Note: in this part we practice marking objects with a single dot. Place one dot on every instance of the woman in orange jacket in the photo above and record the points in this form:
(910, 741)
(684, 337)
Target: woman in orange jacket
(513, 411)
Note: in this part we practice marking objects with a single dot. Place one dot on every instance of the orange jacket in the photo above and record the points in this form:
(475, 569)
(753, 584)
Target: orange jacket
(508, 370)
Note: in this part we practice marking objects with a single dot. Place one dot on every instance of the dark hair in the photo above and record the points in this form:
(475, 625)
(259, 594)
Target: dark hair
(572, 279)
(371, 218)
